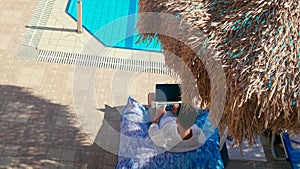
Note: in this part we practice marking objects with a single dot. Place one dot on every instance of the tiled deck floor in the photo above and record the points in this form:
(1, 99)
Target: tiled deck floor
(38, 126)
(36, 133)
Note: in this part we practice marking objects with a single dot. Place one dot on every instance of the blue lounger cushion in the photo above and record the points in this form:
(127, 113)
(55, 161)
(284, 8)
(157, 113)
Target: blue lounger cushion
(292, 149)
(136, 150)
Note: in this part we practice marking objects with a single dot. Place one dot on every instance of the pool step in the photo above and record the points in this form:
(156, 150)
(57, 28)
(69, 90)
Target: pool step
(104, 62)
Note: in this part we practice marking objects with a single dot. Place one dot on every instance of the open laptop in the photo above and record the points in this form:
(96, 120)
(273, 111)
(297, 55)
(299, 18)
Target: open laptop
(166, 94)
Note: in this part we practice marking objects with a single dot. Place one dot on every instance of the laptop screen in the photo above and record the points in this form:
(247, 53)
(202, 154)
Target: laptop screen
(167, 93)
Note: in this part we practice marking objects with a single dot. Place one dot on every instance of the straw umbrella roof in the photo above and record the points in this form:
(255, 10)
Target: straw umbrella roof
(258, 43)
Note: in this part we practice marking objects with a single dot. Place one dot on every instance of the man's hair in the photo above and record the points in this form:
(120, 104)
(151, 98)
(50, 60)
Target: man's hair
(187, 115)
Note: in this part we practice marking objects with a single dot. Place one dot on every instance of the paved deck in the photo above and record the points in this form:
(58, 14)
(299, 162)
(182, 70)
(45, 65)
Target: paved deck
(39, 122)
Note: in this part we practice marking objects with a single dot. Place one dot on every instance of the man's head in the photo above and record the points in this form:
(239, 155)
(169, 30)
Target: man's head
(186, 115)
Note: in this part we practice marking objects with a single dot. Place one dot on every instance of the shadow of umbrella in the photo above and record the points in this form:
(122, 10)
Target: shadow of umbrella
(36, 133)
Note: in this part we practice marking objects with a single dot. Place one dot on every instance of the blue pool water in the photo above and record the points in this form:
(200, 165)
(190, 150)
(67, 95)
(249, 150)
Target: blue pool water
(108, 21)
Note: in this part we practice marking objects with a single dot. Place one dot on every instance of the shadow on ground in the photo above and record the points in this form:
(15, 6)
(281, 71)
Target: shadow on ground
(110, 129)
(36, 133)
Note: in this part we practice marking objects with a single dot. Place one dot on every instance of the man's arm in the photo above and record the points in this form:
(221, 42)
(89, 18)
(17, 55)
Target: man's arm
(196, 141)
(166, 137)
(156, 135)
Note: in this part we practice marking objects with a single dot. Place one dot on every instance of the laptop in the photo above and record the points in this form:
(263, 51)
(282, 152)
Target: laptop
(166, 94)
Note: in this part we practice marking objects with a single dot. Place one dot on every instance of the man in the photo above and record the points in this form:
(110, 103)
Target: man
(176, 132)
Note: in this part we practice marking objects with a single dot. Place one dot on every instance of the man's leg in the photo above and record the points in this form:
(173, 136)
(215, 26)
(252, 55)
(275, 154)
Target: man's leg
(151, 97)
(151, 105)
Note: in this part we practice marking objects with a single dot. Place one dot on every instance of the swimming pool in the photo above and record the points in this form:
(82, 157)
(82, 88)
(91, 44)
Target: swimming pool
(108, 21)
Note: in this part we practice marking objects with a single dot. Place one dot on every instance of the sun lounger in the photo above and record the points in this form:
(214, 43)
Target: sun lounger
(292, 149)
(136, 150)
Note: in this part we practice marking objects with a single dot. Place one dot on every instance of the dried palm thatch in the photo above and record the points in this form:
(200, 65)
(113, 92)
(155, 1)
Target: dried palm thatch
(259, 46)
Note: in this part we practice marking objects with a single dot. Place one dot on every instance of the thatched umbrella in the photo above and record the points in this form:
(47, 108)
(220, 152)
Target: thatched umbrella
(259, 46)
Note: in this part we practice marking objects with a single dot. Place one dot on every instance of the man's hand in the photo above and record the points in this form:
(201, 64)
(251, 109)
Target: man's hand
(158, 114)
